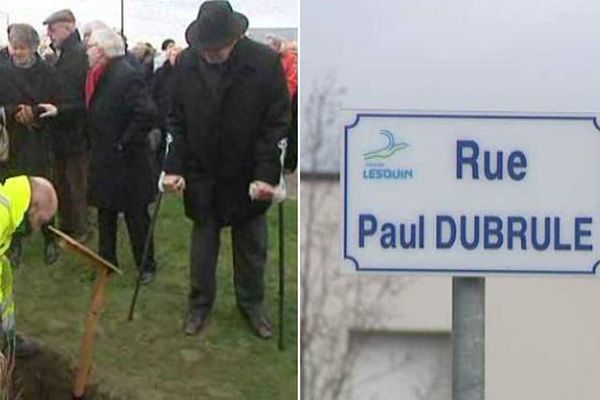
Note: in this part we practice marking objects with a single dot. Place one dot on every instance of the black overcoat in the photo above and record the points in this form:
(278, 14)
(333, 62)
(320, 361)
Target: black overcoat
(70, 133)
(30, 147)
(162, 90)
(227, 129)
(121, 114)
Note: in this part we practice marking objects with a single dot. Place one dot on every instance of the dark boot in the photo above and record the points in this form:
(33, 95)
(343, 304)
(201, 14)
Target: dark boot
(149, 272)
(194, 323)
(259, 322)
(50, 247)
(147, 277)
(50, 252)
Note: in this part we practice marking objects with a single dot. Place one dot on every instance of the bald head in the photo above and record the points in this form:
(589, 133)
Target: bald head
(44, 202)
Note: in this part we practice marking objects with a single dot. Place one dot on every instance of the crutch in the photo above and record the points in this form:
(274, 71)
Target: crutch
(282, 146)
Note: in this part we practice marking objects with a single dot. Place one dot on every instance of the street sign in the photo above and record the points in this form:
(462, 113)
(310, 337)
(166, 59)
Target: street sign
(471, 193)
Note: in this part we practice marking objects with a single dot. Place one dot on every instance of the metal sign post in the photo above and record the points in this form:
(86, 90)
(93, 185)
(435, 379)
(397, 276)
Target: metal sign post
(468, 338)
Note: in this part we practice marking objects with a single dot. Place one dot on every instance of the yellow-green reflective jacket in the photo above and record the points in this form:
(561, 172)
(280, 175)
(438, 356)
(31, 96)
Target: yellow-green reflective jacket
(15, 196)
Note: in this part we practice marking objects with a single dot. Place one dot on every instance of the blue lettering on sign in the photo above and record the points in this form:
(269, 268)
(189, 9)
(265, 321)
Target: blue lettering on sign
(557, 244)
(492, 229)
(580, 233)
(404, 235)
(487, 232)
(517, 228)
(448, 221)
(467, 157)
(475, 232)
(364, 230)
(387, 173)
(534, 236)
(463, 233)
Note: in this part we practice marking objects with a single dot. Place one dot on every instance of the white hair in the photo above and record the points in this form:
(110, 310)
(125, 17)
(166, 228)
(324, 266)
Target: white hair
(109, 41)
(23, 34)
(92, 26)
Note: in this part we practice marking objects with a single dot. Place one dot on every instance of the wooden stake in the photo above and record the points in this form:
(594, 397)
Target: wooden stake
(104, 270)
(89, 336)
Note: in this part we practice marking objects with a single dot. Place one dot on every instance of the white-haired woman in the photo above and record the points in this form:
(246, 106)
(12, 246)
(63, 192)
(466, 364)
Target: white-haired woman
(121, 113)
(88, 28)
(28, 81)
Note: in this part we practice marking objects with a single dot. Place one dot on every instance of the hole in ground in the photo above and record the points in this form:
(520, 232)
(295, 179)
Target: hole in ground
(50, 376)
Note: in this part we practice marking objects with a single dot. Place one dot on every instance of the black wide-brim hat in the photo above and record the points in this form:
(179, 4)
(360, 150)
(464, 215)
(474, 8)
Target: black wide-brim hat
(216, 26)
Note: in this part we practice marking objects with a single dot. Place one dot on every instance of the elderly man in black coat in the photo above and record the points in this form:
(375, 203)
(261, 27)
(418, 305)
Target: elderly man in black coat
(121, 114)
(70, 139)
(27, 81)
(230, 110)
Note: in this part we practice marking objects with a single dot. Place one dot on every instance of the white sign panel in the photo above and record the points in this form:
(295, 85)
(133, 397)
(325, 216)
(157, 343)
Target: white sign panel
(471, 194)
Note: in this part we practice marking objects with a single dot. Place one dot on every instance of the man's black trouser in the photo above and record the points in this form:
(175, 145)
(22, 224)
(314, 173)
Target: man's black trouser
(138, 223)
(249, 242)
(71, 174)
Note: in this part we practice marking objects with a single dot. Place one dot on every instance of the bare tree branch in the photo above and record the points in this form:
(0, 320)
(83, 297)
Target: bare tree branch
(333, 303)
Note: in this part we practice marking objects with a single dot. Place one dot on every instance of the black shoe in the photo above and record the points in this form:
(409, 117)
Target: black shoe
(16, 251)
(50, 252)
(194, 323)
(259, 322)
(147, 277)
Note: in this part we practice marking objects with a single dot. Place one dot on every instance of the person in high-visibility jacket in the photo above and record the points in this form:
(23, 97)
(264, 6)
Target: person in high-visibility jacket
(22, 199)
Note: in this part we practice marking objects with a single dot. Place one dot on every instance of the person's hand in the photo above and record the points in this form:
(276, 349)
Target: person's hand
(25, 115)
(50, 110)
(261, 191)
(173, 183)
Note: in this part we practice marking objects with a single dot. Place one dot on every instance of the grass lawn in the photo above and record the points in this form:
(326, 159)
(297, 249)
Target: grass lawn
(150, 358)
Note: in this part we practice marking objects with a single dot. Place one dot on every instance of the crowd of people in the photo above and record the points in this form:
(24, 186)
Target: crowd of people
(93, 118)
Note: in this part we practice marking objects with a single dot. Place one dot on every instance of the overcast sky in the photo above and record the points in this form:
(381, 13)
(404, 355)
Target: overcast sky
(147, 20)
(492, 55)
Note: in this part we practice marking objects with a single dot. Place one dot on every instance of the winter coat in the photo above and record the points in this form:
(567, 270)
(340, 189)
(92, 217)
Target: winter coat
(162, 92)
(226, 130)
(4, 56)
(291, 157)
(7, 88)
(30, 147)
(121, 114)
(70, 135)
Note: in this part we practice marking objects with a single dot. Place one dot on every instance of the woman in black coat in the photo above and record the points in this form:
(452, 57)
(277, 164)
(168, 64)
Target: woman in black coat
(27, 82)
(121, 114)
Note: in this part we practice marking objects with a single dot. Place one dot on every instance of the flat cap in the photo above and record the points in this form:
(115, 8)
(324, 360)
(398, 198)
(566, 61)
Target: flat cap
(65, 15)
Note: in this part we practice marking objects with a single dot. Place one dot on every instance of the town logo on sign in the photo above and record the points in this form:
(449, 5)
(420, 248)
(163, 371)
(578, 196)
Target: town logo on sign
(380, 163)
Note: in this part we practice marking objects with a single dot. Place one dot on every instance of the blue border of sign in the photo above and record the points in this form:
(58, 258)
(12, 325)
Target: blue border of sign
(496, 271)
